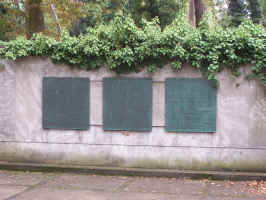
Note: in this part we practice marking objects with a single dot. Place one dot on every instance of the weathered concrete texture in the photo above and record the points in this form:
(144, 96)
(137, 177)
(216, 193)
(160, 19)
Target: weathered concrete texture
(140, 156)
(7, 101)
(241, 111)
(29, 100)
(10, 191)
(239, 143)
(24, 179)
(257, 131)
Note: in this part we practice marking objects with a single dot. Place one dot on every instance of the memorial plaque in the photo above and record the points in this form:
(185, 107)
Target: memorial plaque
(127, 104)
(190, 105)
(66, 103)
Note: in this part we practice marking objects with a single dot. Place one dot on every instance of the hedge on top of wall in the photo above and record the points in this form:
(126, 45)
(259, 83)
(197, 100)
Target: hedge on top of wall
(123, 47)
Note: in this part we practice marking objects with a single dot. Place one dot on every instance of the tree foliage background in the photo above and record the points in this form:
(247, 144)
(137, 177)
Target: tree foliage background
(14, 13)
(78, 16)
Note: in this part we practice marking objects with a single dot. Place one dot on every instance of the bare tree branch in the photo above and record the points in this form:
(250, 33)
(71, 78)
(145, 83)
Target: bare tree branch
(59, 29)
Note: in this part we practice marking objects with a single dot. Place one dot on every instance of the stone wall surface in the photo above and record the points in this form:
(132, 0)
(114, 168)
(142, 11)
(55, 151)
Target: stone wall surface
(238, 144)
(7, 101)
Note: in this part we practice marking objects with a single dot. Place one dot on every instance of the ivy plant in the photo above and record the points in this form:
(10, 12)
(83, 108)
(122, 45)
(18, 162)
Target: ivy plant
(124, 47)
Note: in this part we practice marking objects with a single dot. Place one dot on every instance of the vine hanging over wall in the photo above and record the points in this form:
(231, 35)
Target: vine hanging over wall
(123, 47)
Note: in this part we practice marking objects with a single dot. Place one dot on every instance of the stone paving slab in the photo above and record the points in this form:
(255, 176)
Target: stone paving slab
(57, 194)
(66, 194)
(166, 185)
(87, 182)
(219, 188)
(159, 196)
(22, 178)
(230, 190)
(147, 196)
(63, 186)
(9, 191)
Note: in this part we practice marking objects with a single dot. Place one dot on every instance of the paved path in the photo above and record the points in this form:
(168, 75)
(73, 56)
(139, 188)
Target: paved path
(61, 186)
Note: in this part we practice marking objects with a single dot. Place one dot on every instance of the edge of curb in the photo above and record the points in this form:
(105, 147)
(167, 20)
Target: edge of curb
(118, 171)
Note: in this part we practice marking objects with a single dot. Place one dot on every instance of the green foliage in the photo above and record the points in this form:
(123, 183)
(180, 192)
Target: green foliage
(263, 8)
(5, 24)
(240, 9)
(2, 13)
(103, 11)
(34, 17)
(165, 10)
(96, 12)
(123, 47)
(21, 17)
(255, 9)
(237, 10)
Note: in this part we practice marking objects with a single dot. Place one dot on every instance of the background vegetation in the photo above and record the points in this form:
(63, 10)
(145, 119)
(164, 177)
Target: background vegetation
(24, 17)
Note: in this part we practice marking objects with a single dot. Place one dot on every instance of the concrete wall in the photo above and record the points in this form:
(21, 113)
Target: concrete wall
(238, 144)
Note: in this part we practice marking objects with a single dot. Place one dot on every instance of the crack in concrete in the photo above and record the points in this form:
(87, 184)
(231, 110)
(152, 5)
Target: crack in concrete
(29, 188)
(26, 190)
(124, 185)
(15, 185)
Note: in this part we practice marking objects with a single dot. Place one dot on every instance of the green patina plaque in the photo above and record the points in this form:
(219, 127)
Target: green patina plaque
(190, 105)
(66, 103)
(127, 104)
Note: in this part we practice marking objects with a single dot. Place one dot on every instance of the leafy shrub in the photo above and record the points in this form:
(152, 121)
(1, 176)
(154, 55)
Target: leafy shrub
(124, 47)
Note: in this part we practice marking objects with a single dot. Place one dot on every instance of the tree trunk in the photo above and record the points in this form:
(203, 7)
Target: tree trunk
(199, 10)
(196, 11)
(34, 17)
(192, 12)
(59, 29)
